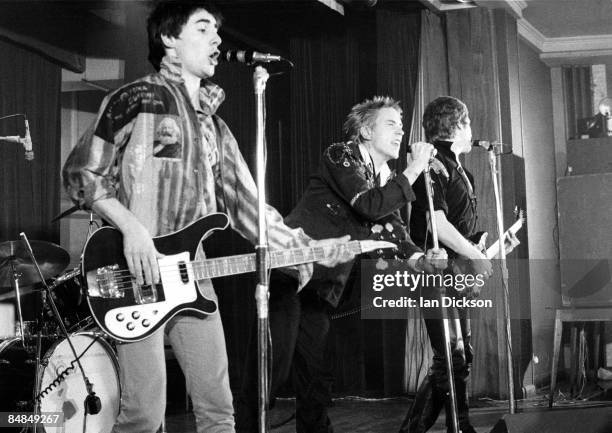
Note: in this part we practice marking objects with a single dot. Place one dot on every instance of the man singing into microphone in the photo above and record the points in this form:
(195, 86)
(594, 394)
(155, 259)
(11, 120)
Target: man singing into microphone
(353, 193)
(156, 159)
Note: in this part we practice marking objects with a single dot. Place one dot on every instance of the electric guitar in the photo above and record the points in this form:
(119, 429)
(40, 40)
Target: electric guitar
(493, 251)
(130, 312)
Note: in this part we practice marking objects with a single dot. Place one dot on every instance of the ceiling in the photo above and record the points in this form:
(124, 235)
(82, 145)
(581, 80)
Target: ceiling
(564, 32)
(569, 18)
(554, 27)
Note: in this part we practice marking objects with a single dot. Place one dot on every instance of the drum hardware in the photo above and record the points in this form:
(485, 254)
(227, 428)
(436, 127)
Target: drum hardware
(17, 270)
(92, 402)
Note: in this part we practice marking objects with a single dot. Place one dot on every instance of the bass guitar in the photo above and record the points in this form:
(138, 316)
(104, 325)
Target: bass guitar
(129, 312)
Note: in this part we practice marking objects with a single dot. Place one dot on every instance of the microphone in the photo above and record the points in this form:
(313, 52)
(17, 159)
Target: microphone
(497, 146)
(93, 405)
(248, 56)
(484, 144)
(27, 142)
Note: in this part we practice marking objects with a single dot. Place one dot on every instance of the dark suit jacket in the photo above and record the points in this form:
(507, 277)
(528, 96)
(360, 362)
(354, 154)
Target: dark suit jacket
(343, 198)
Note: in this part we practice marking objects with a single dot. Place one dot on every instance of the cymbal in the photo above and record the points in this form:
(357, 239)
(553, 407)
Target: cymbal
(52, 260)
(10, 293)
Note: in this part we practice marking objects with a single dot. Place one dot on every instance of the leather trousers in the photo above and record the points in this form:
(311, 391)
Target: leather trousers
(432, 394)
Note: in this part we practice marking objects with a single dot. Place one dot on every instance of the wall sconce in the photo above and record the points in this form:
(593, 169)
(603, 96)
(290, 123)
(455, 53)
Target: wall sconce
(606, 111)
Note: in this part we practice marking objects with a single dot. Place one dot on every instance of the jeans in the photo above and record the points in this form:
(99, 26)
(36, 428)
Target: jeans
(199, 347)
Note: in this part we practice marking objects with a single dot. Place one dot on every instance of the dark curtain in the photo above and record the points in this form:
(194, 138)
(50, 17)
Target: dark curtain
(480, 52)
(472, 79)
(29, 196)
(323, 91)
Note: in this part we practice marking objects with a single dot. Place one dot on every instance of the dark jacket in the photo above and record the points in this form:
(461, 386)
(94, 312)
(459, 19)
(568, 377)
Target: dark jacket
(343, 198)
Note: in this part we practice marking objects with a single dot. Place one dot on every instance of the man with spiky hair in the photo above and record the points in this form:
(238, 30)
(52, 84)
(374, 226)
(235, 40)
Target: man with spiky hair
(353, 192)
(157, 159)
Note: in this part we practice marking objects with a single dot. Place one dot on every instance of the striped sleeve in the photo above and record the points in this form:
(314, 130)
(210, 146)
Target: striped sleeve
(91, 172)
(238, 198)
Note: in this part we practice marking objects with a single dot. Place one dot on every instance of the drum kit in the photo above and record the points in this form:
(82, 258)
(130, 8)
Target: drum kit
(56, 360)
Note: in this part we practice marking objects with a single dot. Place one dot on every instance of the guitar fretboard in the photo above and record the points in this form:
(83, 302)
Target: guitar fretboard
(241, 264)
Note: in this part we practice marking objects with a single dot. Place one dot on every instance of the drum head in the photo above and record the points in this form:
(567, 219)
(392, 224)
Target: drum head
(68, 396)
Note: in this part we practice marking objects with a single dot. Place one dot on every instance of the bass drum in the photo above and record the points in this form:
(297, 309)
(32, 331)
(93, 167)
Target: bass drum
(100, 366)
(17, 372)
(61, 387)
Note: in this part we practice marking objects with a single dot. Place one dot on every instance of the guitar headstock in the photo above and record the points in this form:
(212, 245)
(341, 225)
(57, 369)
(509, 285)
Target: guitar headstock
(519, 214)
(371, 245)
(521, 218)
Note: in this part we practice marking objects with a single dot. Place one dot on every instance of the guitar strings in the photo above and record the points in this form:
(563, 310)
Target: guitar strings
(124, 279)
(353, 246)
(232, 260)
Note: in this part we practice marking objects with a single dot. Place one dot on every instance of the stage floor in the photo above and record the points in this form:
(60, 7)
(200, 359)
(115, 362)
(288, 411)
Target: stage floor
(354, 415)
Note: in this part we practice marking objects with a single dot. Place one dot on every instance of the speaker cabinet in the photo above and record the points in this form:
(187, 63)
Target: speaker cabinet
(590, 156)
(585, 239)
(590, 420)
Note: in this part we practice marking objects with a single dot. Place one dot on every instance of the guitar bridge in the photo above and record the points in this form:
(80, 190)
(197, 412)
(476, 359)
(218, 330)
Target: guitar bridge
(107, 284)
(145, 294)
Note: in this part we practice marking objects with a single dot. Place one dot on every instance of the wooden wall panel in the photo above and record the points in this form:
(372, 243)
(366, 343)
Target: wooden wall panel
(482, 56)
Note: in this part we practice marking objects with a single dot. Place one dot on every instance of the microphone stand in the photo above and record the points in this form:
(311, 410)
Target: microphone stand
(445, 320)
(504, 268)
(262, 294)
(20, 140)
(15, 281)
(92, 402)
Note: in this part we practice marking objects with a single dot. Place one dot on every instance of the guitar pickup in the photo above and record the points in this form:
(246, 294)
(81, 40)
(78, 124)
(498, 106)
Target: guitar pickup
(182, 266)
(108, 284)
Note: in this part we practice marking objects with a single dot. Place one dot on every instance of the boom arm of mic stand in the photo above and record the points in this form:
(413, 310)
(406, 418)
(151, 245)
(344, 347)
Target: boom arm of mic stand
(11, 138)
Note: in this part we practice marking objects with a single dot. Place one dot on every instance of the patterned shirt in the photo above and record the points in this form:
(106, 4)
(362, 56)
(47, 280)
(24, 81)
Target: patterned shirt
(170, 164)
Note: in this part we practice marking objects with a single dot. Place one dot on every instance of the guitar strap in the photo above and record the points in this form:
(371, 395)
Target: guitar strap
(471, 195)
